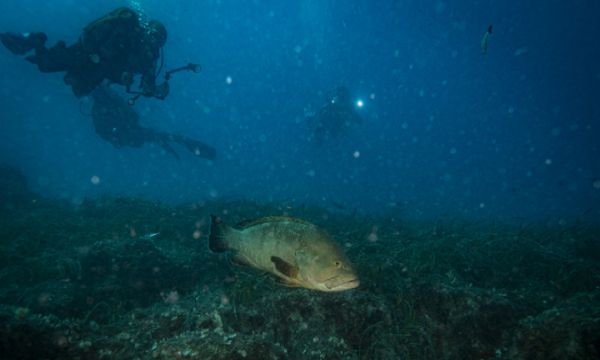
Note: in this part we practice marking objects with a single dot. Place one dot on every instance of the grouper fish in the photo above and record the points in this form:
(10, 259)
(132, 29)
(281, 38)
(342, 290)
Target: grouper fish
(298, 253)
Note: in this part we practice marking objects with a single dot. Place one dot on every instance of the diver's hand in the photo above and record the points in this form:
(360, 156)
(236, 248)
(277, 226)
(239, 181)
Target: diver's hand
(127, 79)
(162, 90)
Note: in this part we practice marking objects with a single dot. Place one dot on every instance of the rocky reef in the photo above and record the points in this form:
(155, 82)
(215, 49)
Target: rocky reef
(89, 282)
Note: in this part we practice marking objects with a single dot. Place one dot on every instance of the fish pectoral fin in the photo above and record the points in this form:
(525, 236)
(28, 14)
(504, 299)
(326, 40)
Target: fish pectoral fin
(285, 267)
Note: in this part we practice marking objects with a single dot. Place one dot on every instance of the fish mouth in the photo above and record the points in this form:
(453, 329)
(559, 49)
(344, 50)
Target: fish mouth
(338, 285)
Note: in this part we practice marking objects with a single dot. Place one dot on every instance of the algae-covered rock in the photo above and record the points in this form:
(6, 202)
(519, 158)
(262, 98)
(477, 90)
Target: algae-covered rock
(131, 273)
(14, 191)
(89, 282)
(569, 331)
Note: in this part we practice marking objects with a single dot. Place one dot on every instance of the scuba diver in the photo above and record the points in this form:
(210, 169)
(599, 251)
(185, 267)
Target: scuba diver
(485, 39)
(116, 122)
(334, 117)
(115, 47)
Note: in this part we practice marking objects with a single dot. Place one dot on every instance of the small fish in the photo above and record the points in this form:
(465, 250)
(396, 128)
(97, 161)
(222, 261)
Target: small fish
(484, 40)
(297, 252)
(338, 205)
(149, 236)
(521, 51)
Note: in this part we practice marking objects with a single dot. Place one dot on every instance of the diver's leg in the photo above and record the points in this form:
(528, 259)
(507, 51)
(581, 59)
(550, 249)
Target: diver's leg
(82, 75)
(196, 147)
(83, 82)
(165, 145)
(21, 44)
(57, 58)
(158, 137)
(201, 149)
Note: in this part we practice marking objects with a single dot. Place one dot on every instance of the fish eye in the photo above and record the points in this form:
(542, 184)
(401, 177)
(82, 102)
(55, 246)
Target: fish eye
(338, 264)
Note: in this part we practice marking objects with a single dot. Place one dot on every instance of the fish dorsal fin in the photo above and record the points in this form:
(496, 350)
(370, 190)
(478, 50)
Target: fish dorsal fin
(267, 219)
(285, 267)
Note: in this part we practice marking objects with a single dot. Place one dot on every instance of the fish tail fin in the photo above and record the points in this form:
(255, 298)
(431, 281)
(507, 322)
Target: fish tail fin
(217, 236)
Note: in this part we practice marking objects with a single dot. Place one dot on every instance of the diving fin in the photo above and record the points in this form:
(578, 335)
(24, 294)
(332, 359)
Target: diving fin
(19, 44)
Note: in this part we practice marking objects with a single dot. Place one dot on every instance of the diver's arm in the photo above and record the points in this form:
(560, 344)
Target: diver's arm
(148, 83)
(149, 87)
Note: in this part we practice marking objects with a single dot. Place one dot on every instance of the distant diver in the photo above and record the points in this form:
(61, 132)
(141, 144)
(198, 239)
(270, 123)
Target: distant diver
(485, 39)
(334, 117)
(115, 47)
(117, 122)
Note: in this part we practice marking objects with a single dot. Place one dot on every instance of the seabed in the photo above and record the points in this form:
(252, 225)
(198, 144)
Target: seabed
(84, 282)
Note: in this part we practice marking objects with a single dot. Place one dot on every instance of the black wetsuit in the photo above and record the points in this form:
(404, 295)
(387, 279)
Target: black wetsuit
(334, 117)
(117, 122)
(114, 47)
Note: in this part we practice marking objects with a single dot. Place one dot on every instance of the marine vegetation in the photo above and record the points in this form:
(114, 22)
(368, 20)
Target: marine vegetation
(83, 281)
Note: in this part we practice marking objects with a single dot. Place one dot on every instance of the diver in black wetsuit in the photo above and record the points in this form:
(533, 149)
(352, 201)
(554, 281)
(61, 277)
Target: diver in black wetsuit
(116, 122)
(334, 117)
(115, 47)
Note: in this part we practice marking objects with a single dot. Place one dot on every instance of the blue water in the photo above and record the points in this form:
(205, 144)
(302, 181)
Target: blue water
(447, 131)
